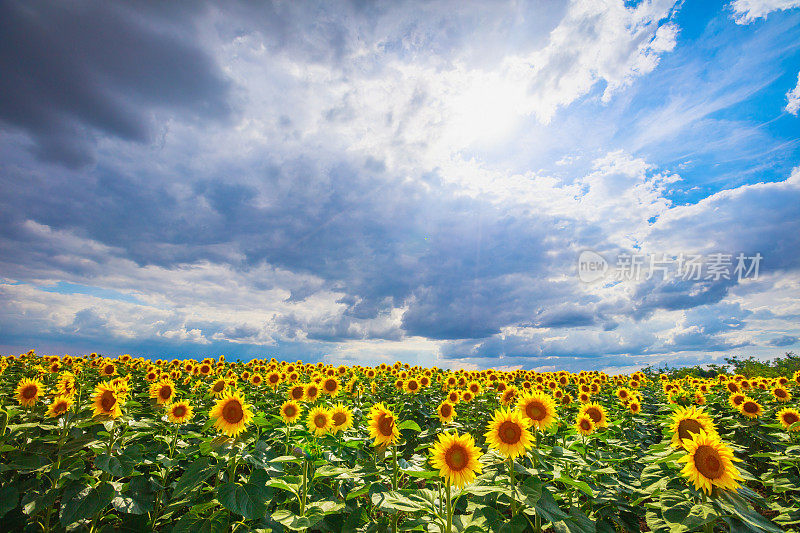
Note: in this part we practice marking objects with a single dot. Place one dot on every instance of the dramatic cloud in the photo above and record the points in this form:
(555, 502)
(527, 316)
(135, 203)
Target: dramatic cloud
(367, 182)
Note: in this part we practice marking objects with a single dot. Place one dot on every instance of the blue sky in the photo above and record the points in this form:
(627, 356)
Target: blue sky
(365, 182)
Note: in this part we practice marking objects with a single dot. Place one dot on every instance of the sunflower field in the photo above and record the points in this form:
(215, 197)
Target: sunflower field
(93, 443)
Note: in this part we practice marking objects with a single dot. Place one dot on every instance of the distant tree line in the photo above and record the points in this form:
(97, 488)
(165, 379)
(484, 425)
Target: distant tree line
(785, 365)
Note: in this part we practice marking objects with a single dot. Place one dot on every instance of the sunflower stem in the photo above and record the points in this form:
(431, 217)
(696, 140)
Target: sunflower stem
(513, 490)
(305, 487)
(394, 460)
(449, 527)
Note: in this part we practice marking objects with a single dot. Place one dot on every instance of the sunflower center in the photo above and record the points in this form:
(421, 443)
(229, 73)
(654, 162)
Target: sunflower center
(594, 414)
(412, 385)
(30, 391)
(339, 418)
(687, 427)
(330, 385)
(232, 412)
(536, 411)
(108, 400)
(737, 400)
(219, 386)
(707, 461)
(273, 378)
(510, 432)
(60, 407)
(320, 420)
(166, 392)
(179, 411)
(290, 411)
(586, 425)
(446, 410)
(109, 369)
(750, 407)
(456, 457)
(386, 424)
(790, 418)
(297, 393)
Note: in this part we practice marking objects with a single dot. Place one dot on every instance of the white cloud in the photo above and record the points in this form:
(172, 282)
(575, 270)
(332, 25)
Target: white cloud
(793, 98)
(747, 11)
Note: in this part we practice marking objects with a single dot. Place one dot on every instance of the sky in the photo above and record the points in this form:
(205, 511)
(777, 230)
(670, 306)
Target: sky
(461, 184)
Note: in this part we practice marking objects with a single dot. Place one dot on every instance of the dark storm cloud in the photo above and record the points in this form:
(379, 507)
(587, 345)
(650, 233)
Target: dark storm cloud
(72, 72)
(784, 340)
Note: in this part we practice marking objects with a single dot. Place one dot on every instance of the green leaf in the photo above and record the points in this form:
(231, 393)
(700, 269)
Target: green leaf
(675, 506)
(138, 499)
(283, 485)
(116, 465)
(9, 499)
(409, 424)
(331, 471)
(84, 503)
(548, 509)
(192, 522)
(249, 500)
(518, 524)
(296, 522)
(196, 474)
(580, 485)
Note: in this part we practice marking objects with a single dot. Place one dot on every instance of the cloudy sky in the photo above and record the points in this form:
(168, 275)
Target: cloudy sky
(370, 181)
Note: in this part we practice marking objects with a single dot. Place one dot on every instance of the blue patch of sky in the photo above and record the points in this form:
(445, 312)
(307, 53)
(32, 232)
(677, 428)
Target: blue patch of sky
(65, 287)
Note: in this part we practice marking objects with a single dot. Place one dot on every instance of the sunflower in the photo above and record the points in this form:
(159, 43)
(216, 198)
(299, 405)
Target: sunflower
(509, 396)
(446, 412)
(342, 418)
(751, 408)
(162, 391)
(179, 412)
(290, 411)
(584, 397)
(274, 379)
(231, 414)
(411, 386)
(788, 416)
(467, 396)
(596, 412)
(709, 463)
(28, 391)
(736, 399)
(107, 400)
(508, 433)
(108, 370)
(217, 388)
(635, 407)
(475, 388)
(60, 405)
(781, 394)
(310, 393)
(330, 386)
(297, 392)
(540, 409)
(453, 397)
(66, 384)
(584, 425)
(456, 457)
(623, 394)
(319, 421)
(687, 421)
(383, 426)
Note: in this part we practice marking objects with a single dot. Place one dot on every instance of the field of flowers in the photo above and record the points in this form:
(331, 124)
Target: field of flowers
(93, 443)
